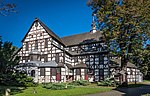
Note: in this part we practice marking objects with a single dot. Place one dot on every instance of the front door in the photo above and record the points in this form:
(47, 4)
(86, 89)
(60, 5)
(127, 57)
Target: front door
(58, 75)
(86, 74)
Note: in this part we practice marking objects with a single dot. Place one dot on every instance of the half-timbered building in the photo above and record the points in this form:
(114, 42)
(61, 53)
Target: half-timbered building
(49, 58)
(133, 73)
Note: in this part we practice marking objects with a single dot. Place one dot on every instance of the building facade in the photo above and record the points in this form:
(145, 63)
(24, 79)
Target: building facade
(49, 58)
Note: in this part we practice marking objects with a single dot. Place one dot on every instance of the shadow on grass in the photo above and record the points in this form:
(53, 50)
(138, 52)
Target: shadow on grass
(134, 90)
(13, 90)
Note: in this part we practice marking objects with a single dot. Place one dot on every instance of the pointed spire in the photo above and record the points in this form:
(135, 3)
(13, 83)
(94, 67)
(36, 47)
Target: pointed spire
(93, 25)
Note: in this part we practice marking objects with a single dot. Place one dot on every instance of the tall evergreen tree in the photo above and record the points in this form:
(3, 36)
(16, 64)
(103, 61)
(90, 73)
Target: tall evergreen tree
(8, 59)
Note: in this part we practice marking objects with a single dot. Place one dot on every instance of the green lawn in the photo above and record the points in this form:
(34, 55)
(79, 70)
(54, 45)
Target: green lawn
(79, 91)
(14, 90)
(146, 80)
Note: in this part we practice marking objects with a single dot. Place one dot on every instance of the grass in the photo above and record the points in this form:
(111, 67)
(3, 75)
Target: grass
(79, 91)
(146, 80)
(146, 95)
(14, 90)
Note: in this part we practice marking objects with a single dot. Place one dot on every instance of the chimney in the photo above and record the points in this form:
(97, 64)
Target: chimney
(93, 25)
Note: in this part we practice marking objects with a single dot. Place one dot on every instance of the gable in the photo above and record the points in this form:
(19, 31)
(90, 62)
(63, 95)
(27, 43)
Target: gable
(37, 29)
(36, 33)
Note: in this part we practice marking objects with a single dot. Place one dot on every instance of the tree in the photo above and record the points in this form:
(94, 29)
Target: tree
(7, 58)
(9, 75)
(125, 26)
(6, 8)
(142, 57)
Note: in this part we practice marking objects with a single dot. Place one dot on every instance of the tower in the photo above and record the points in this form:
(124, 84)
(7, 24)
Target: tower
(93, 25)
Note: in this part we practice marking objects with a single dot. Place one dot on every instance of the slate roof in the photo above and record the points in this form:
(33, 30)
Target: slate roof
(85, 53)
(118, 61)
(69, 40)
(79, 38)
(40, 64)
(80, 65)
(49, 64)
(77, 66)
(69, 66)
(30, 64)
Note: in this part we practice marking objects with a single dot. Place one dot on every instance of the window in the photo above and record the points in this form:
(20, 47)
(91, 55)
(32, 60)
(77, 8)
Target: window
(36, 44)
(31, 58)
(44, 58)
(42, 71)
(46, 42)
(57, 58)
(27, 46)
(78, 71)
(70, 49)
(90, 71)
(34, 57)
(75, 59)
(70, 71)
(26, 59)
(53, 71)
(40, 34)
(33, 73)
(101, 72)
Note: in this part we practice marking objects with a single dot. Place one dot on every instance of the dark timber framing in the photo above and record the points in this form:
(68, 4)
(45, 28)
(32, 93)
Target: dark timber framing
(42, 44)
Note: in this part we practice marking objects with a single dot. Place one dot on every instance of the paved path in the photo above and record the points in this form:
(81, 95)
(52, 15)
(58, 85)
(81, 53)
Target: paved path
(138, 91)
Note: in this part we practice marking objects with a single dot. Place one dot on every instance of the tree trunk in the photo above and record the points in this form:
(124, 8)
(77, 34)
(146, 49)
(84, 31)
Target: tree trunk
(124, 69)
(124, 64)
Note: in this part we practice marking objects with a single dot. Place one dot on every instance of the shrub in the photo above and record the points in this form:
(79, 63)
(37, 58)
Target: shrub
(80, 83)
(26, 81)
(108, 82)
(58, 86)
(70, 86)
(17, 79)
(75, 83)
(47, 86)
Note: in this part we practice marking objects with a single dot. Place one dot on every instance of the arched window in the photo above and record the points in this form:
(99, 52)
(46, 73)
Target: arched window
(33, 73)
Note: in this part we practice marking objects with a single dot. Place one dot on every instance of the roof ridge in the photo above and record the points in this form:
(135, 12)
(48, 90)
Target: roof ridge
(75, 34)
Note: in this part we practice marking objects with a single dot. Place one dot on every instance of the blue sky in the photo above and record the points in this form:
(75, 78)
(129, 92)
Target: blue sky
(64, 17)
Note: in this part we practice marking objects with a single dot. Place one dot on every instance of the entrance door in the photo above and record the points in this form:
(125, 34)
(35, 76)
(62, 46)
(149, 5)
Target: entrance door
(58, 75)
(86, 74)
